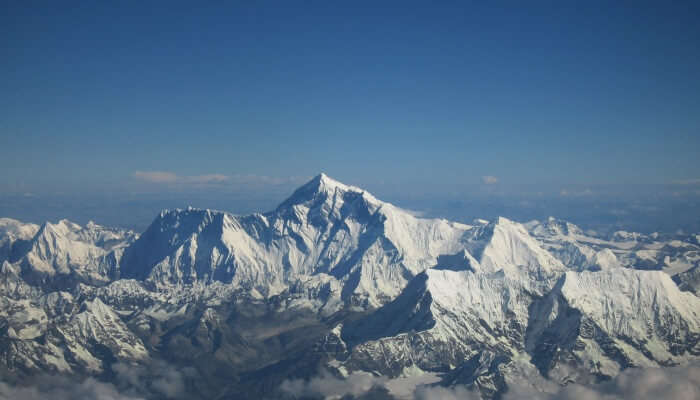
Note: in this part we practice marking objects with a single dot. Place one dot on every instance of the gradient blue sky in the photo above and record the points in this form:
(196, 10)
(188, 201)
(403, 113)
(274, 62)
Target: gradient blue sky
(597, 92)
(97, 98)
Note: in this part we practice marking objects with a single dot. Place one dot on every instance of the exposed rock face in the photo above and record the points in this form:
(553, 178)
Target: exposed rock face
(689, 280)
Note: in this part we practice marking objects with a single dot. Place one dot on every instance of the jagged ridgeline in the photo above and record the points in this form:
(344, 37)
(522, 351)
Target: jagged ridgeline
(218, 305)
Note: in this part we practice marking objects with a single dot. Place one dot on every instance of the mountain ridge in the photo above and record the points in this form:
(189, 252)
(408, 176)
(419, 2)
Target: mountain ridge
(334, 278)
(325, 227)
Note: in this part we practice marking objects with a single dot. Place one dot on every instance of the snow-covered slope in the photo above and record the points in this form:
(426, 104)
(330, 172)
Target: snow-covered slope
(581, 251)
(602, 322)
(59, 333)
(67, 252)
(441, 319)
(506, 245)
(483, 327)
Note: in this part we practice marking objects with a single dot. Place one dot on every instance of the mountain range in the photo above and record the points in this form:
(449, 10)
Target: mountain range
(336, 283)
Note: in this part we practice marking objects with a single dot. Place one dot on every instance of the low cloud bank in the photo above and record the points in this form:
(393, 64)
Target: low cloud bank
(678, 383)
(489, 180)
(160, 380)
(63, 388)
(155, 380)
(443, 393)
(326, 385)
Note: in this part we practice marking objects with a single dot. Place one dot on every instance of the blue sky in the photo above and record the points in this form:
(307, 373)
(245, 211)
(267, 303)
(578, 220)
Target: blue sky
(135, 97)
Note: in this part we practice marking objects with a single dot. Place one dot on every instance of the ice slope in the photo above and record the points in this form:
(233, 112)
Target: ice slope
(506, 245)
(467, 295)
(601, 322)
(473, 303)
(585, 325)
(449, 314)
(442, 319)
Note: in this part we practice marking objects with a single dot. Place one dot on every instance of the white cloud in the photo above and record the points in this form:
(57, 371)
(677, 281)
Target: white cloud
(156, 176)
(63, 388)
(327, 385)
(678, 383)
(489, 179)
(158, 379)
(205, 179)
(443, 393)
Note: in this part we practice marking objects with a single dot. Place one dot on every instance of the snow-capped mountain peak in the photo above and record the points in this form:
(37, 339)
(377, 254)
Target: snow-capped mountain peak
(371, 247)
(506, 245)
(323, 190)
(67, 251)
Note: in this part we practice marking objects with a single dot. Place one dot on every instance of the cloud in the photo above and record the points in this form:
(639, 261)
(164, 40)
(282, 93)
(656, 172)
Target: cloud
(326, 385)
(161, 380)
(156, 176)
(157, 379)
(204, 179)
(489, 180)
(443, 393)
(678, 383)
(63, 388)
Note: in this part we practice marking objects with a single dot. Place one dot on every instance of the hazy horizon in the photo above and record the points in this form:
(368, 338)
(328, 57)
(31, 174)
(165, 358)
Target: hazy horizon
(602, 208)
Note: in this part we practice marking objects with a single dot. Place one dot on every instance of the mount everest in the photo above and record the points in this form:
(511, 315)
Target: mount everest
(336, 280)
